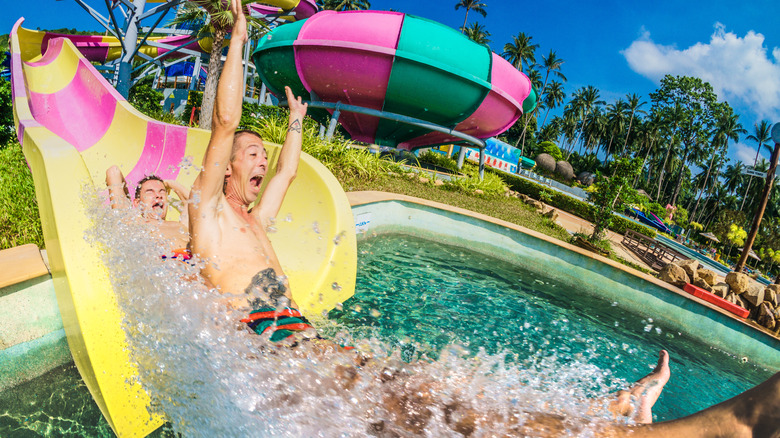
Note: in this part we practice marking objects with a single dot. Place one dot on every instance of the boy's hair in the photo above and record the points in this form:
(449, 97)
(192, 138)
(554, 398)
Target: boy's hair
(145, 179)
(237, 134)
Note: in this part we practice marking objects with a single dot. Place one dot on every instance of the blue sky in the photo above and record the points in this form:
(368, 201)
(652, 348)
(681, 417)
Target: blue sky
(619, 47)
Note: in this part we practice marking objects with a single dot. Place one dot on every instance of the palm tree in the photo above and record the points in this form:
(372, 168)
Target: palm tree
(553, 97)
(477, 33)
(734, 176)
(616, 114)
(551, 64)
(634, 104)
(587, 98)
(471, 5)
(520, 51)
(761, 134)
(212, 18)
(344, 5)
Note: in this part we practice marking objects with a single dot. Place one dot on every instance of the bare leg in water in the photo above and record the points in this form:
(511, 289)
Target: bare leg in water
(638, 400)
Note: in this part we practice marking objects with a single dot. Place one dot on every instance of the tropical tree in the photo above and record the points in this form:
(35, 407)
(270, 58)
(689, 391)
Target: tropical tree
(211, 18)
(471, 5)
(552, 65)
(734, 176)
(344, 5)
(761, 134)
(520, 51)
(477, 33)
(634, 104)
(586, 99)
(553, 97)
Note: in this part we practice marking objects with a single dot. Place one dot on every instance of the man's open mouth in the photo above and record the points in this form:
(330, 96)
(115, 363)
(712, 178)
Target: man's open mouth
(256, 180)
(159, 205)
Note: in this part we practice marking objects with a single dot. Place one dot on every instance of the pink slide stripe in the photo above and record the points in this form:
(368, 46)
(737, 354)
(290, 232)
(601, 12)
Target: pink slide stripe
(175, 146)
(17, 77)
(163, 151)
(50, 52)
(151, 154)
(80, 113)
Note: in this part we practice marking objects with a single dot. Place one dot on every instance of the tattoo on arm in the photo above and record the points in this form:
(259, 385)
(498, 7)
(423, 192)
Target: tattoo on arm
(295, 126)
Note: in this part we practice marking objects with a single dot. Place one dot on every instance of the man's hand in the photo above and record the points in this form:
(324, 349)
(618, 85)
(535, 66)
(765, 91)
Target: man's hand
(297, 111)
(239, 32)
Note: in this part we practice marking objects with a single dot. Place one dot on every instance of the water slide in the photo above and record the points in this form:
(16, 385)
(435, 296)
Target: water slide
(102, 49)
(72, 126)
(396, 63)
(648, 221)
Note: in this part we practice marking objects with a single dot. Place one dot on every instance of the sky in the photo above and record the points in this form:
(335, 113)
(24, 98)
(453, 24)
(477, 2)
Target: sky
(619, 47)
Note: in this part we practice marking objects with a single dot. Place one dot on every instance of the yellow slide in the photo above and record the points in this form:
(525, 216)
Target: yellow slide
(73, 125)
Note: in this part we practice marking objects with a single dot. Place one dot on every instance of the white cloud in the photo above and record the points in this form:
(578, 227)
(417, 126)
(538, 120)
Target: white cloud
(744, 153)
(739, 68)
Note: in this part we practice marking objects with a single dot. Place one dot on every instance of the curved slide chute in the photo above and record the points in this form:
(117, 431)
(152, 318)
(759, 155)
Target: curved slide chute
(102, 49)
(399, 64)
(73, 125)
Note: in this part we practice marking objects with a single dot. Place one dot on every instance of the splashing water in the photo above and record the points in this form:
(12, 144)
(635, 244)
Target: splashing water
(211, 376)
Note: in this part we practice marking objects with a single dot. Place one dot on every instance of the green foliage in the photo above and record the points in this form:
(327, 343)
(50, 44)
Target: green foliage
(491, 185)
(20, 222)
(548, 147)
(681, 217)
(439, 160)
(656, 209)
(194, 100)
(696, 226)
(612, 193)
(569, 204)
(7, 130)
(145, 98)
(736, 235)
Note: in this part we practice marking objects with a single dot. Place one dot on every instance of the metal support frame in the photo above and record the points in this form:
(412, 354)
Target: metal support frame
(338, 107)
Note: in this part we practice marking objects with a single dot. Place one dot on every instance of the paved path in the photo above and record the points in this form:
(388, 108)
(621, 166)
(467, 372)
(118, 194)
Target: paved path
(576, 224)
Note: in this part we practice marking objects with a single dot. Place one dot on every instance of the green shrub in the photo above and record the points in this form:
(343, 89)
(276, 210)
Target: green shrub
(7, 129)
(20, 222)
(548, 147)
(569, 204)
(439, 160)
(491, 184)
(145, 98)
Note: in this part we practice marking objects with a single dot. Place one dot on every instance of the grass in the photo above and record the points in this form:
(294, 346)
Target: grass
(20, 222)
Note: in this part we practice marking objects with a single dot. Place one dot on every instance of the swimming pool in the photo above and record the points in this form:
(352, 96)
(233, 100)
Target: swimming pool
(423, 296)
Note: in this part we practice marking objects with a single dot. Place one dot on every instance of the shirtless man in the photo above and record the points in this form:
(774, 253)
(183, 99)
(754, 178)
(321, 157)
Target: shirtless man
(151, 199)
(239, 259)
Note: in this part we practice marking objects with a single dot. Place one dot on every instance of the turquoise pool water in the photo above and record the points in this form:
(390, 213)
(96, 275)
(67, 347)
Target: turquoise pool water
(422, 295)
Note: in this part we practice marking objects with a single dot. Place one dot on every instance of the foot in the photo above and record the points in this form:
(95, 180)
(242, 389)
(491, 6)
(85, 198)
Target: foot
(647, 389)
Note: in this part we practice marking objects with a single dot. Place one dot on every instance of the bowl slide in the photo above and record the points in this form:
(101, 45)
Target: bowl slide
(72, 126)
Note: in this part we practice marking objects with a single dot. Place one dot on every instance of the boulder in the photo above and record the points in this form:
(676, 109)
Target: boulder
(708, 275)
(740, 302)
(731, 297)
(552, 214)
(438, 182)
(586, 178)
(424, 180)
(738, 282)
(546, 162)
(772, 295)
(720, 289)
(565, 170)
(691, 267)
(702, 284)
(535, 204)
(674, 274)
(754, 295)
(479, 192)
(523, 197)
(765, 316)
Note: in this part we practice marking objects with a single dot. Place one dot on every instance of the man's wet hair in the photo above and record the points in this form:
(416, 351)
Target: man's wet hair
(145, 179)
(237, 134)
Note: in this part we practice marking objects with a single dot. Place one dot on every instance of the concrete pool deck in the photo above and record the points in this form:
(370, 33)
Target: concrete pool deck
(633, 289)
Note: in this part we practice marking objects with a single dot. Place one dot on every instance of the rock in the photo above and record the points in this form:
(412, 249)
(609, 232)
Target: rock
(392, 174)
(535, 204)
(691, 267)
(479, 192)
(707, 275)
(772, 295)
(720, 289)
(702, 284)
(674, 274)
(731, 297)
(565, 170)
(552, 214)
(424, 180)
(740, 302)
(754, 295)
(546, 162)
(411, 175)
(766, 316)
(438, 182)
(586, 178)
(738, 282)
(523, 197)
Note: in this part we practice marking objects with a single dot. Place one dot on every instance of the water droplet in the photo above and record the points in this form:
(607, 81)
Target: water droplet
(335, 286)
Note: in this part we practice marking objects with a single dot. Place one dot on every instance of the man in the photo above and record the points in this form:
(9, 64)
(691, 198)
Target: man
(151, 199)
(230, 237)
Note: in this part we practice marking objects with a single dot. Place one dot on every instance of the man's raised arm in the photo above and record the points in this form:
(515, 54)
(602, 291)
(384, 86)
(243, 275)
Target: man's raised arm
(287, 166)
(117, 188)
(227, 114)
